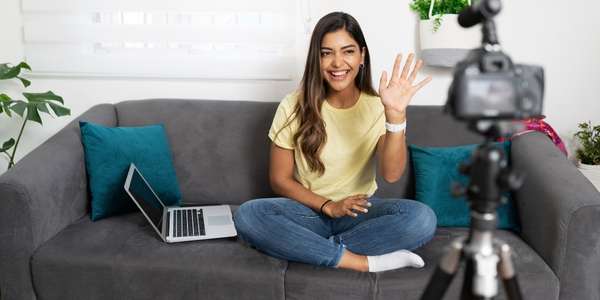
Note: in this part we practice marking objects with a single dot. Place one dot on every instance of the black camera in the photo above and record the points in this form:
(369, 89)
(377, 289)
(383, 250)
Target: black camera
(487, 85)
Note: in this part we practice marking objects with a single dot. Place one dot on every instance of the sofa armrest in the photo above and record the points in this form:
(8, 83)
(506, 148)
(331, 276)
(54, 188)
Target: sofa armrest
(42, 194)
(560, 215)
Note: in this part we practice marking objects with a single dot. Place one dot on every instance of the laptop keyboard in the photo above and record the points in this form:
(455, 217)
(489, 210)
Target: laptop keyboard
(188, 222)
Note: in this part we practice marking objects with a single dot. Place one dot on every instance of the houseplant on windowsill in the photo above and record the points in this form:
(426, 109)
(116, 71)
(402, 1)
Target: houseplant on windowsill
(443, 41)
(28, 109)
(588, 154)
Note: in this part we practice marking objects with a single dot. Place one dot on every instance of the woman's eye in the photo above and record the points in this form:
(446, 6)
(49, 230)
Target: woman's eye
(350, 52)
(325, 53)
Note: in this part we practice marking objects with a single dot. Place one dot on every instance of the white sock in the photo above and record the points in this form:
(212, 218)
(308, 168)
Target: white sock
(394, 260)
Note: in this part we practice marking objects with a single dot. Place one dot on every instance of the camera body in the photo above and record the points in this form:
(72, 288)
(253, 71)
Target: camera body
(488, 86)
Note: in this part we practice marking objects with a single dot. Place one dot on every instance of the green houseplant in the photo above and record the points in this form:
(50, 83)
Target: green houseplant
(443, 45)
(588, 154)
(28, 109)
(440, 8)
(588, 137)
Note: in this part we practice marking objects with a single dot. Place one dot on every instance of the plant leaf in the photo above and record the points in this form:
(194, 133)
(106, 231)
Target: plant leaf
(42, 107)
(5, 102)
(19, 107)
(8, 72)
(59, 111)
(43, 97)
(25, 82)
(7, 145)
(33, 114)
(40, 102)
(5, 108)
(24, 65)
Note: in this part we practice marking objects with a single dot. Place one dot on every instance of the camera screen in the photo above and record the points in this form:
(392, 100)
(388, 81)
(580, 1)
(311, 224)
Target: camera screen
(491, 96)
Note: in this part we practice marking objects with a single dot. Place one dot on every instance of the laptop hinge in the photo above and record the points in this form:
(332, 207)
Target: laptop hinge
(168, 220)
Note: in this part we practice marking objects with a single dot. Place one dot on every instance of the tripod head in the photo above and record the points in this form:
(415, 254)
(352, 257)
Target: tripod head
(489, 170)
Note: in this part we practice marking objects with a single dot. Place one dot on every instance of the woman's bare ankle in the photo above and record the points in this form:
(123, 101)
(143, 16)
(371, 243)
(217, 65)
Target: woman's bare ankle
(353, 261)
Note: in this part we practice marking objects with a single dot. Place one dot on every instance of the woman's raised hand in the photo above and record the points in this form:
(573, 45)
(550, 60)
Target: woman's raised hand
(397, 93)
(349, 206)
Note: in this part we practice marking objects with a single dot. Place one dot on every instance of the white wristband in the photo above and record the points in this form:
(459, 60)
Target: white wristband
(396, 127)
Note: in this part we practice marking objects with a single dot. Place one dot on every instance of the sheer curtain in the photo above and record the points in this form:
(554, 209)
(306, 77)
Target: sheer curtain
(226, 39)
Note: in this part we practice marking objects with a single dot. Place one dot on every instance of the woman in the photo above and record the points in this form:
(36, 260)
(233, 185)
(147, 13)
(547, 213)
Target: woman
(324, 139)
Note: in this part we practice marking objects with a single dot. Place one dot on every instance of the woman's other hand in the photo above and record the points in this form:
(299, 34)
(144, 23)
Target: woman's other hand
(349, 206)
(397, 93)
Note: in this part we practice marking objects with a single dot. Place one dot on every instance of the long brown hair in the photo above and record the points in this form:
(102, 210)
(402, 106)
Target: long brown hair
(311, 135)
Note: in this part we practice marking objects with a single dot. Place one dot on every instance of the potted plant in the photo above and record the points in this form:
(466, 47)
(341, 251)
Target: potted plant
(588, 154)
(443, 41)
(28, 109)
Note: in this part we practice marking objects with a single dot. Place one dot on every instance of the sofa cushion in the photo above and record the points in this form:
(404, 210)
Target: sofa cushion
(536, 279)
(108, 153)
(436, 169)
(123, 258)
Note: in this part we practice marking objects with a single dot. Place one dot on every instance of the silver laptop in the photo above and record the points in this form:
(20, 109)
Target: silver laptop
(178, 224)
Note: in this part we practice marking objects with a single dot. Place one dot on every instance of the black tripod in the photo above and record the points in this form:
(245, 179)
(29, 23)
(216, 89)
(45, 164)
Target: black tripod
(485, 256)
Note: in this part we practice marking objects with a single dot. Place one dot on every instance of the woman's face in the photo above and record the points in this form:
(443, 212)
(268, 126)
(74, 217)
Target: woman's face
(340, 59)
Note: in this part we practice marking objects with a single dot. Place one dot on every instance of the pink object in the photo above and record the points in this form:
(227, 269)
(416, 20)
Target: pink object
(537, 124)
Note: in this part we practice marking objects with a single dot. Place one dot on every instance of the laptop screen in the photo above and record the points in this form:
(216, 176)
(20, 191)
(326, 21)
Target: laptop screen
(146, 198)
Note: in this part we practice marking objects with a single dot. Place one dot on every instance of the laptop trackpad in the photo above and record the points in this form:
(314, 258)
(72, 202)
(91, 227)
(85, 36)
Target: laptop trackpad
(217, 220)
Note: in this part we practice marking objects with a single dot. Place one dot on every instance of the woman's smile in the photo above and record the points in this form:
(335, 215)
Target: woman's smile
(338, 75)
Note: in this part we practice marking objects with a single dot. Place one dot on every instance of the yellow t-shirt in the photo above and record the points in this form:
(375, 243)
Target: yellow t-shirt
(349, 152)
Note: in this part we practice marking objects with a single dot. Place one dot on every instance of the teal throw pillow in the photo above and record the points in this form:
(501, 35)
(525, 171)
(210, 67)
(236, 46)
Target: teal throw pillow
(435, 169)
(108, 153)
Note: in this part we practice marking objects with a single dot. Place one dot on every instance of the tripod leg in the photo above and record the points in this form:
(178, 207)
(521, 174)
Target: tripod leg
(466, 293)
(508, 274)
(481, 277)
(444, 273)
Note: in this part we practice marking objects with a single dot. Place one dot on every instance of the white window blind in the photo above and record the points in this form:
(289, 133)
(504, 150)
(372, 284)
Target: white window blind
(226, 39)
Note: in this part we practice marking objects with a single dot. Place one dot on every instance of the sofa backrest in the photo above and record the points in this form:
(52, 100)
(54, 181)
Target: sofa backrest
(221, 149)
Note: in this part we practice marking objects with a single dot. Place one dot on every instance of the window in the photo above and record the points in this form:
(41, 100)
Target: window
(227, 39)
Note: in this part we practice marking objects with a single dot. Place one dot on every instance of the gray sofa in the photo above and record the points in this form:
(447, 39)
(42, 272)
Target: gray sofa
(49, 248)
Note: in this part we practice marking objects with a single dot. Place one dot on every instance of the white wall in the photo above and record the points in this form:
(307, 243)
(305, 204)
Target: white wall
(561, 36)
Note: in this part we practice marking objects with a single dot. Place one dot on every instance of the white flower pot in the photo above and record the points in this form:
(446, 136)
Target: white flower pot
(450, 43)
(592, 172)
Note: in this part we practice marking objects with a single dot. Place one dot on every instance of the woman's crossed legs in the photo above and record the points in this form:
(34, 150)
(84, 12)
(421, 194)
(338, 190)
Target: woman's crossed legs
(287, 229)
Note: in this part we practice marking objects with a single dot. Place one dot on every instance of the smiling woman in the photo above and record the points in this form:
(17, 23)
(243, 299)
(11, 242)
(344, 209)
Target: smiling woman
(325, 136)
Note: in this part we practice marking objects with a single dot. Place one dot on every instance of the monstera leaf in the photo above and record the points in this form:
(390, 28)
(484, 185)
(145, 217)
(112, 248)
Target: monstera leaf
(40, 102)
(5, 103)
(8, 72)
(7, 145)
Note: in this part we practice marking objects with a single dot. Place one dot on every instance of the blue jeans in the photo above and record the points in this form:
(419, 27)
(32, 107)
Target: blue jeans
(287, 229)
